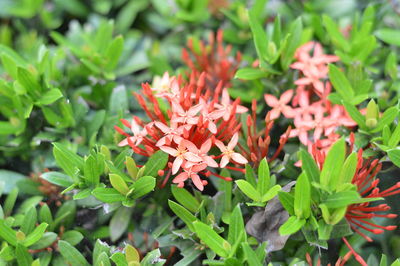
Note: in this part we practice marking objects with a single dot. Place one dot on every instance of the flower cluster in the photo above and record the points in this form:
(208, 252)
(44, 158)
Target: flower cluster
(315, 117)
(213, 59)
(196, 120)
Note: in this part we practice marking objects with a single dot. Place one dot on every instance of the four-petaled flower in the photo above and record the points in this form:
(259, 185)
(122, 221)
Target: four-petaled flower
(280, 105)
(228, 153)
(182, 152)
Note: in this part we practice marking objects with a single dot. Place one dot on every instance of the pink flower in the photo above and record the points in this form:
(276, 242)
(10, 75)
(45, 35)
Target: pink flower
(181, 153)
(192, 173)
(280, 105)
(225, 106)
(185, 117)
(170, 133)
(138, 134)
(228, 152)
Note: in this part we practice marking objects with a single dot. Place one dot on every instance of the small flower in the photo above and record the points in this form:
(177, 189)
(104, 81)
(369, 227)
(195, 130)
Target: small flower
(181, 153)
(280, 106)
(225, 106)
(228, 152)
(192, 173)
(185, 117)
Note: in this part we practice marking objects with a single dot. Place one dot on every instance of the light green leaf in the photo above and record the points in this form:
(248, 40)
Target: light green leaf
(248, 190)
(214, 241)
(302, 197)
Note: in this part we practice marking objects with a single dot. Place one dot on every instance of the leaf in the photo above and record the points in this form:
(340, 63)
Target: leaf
(387, 118)
(118, 100)
(333, 164)
(28, 224)
(131, 254)
(355, 114)
(250, 175)
(57, 178)
(302, 197)
(348, 170)
(45, 241)
(248, 73)
(49, 97)
(66, 159)
(7, 233)
(292, 43)
(22, 255)
(287, 201)
(114, 52)
(309, 166)
(143, 186)
(248, 190)
(259, 36)
(394, 156)
(108, 195)
(214, 241)
(10, 179)
(291, 226)
(271, 193)
(36, 235)
(395, 137)
(183, 214)
(93, 168)
(156, 162)
(185, 198)
(73, 237)
(236, 226)
(119, 184)
(251, 256)
(28, 81)
(341, 83)
(335, 34)
(263, 177)
(345, 198)
(388, 35)
(71, 254)
(119, 222)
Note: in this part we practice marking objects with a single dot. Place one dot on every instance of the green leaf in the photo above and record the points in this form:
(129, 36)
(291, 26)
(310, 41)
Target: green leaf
(71, 254)
(324, 230)
(345, 198)
(309, 166)
(341, 83)
(183, 214)
(119, 222)
(45, 241)
(49, 97)
(143, 186)
(291, 226)
(66, 159)
(114, 52)
(259, 36)
(93, 168)
(394, 156)
(36, 235)
(10, 179)
(119, 184)
(28, 224)
(388, 35)
(335, 34)
(73, 237)
(131, 254)
(333, 164)
(185, 199)
(248, 190)
(7, 233)
(387, 118)
(292, 43)
(263, 177)
(302, 197)
(10, 201)
(214, 241)
(287, 201)
(355, 114)
(28, 81)
(395, 137)
(251, 256)
(250, 175)
(22, 255)
(108, 195)
(348, 170)
(57, 178)
(271, 193)
(156, 162)
(249, 73)
(236, 226)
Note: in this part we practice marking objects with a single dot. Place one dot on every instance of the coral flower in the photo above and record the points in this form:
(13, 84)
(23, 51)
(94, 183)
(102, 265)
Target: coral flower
(229, 153)
(281, 105)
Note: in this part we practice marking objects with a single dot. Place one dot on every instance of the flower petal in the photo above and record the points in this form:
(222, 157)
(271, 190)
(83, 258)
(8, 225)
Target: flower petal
(271, 100)
(238, 158)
